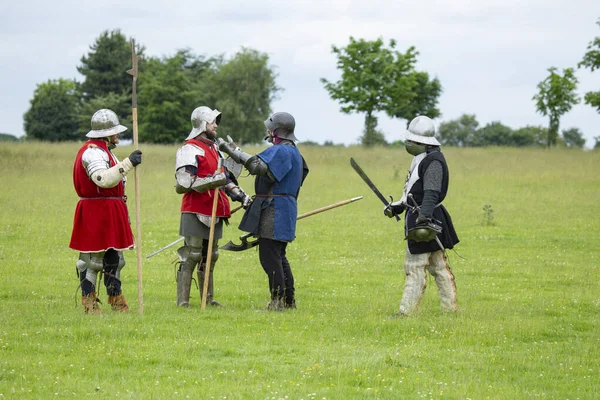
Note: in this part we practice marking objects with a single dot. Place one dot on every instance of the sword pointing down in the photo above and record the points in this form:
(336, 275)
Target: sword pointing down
(368, 181)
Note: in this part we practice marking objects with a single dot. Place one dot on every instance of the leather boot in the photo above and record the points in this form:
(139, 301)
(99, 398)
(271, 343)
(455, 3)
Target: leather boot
(118, 303)
(209, 295)
(184, 283)
(277, 304)
(90, 304)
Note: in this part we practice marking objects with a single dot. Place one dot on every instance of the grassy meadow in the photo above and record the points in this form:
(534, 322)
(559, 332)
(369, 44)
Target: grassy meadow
(527, 272)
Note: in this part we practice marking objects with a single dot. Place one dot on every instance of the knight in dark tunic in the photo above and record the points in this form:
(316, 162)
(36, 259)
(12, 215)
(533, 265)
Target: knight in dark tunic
(425, 189)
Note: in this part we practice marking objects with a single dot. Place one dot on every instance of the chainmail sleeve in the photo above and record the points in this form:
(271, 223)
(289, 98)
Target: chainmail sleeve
(432, 186)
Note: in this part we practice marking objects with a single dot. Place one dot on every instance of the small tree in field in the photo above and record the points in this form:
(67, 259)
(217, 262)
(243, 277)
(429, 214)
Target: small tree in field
(375, 78)
(556, 97)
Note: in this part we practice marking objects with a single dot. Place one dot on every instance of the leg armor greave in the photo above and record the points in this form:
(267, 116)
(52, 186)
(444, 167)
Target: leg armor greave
(444, 279)
(189, 255)
(113, 262)
(415, 266)
(88, 266)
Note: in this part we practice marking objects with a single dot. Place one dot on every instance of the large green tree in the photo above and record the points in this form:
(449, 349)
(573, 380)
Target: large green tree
(169, 90)
(422, 98)
(54, 112)
(243, 88)
(556, 96)
(375, 78)
(105, 72)
(591, 60)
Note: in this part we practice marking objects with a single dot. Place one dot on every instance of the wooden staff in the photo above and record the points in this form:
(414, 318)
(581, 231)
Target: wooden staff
(211, 237)
(138, 227)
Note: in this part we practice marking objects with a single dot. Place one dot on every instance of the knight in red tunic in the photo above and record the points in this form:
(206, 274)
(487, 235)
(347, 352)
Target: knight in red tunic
(101, 229)
(198, 176)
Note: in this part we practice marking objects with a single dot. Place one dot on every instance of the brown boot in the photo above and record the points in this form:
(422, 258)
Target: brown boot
(90, 304)
(118, 303)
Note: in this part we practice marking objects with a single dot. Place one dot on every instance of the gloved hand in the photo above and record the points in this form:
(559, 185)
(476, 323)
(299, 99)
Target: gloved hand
(229, 147)
(391, 211)
(135, 157)
(421, 219)
(387, 211)
(246, 201)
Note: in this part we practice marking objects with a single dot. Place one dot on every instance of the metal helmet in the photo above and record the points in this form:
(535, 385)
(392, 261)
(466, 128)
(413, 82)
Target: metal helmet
(200, 117)
(282, 125)
(105, 123)
(422, 130)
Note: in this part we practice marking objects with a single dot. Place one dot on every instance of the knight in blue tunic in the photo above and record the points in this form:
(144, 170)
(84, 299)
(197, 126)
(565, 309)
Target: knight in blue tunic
(280, 171)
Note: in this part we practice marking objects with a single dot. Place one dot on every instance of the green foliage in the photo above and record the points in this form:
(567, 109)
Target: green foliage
(104, 68)
(170, 89)
(6, 137)
(528, 318)
(591, 60)
(494, 134)
(573, 138)
(531, 135)
(424, 96)
(105, 75)
(243, 88)
(54, 112)
(460, 132)
(376, 77)
(557, 95)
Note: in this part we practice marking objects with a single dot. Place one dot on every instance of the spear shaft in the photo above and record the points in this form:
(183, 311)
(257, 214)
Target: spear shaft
(138, 227)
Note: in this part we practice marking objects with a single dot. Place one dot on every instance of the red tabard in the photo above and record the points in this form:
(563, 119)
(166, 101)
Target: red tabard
(101, 219)
(201, 203)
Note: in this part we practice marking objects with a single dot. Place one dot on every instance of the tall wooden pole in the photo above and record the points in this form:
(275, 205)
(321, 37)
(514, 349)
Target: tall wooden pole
(211, 238)
(138, 226)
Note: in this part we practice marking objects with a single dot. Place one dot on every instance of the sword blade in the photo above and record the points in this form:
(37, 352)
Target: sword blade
(370, 183)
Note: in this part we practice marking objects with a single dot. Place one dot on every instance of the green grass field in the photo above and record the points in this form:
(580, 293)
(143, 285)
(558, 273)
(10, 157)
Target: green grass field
(528, 279)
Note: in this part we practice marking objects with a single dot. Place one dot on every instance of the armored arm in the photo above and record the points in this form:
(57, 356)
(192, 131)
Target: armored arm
(253, 164)
(97, 164)
(186, 170)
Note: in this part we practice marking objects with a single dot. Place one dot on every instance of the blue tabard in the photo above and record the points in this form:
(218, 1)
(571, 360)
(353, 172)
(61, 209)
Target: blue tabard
(286, 165)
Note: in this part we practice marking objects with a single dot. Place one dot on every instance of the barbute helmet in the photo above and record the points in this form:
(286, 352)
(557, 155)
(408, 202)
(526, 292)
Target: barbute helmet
(282, 124)
(105, 123)
(422, 130)
(200, 117)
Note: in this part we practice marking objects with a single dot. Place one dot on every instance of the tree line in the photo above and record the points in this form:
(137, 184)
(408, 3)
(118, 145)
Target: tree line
(170, 88)
(375, 77)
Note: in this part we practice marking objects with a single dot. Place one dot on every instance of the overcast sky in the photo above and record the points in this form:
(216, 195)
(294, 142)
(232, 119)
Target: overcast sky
(488, 54)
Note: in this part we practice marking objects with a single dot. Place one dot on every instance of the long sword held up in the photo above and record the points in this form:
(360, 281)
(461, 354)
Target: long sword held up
(370, 183)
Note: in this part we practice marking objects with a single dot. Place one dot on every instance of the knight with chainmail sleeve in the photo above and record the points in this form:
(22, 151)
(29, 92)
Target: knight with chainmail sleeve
(428, 226)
